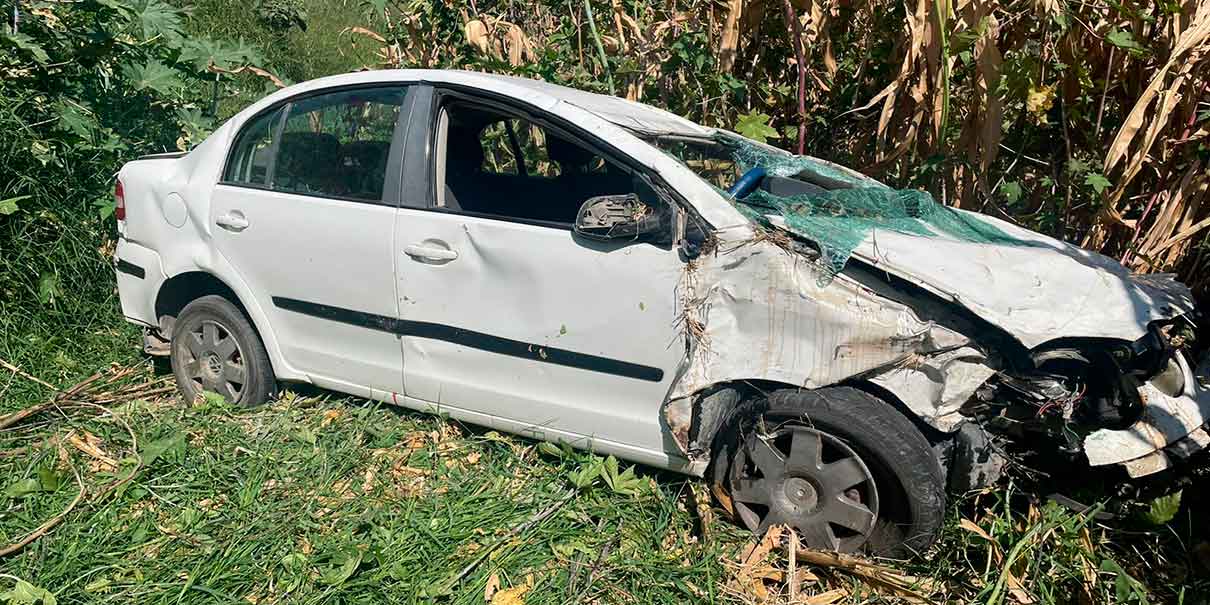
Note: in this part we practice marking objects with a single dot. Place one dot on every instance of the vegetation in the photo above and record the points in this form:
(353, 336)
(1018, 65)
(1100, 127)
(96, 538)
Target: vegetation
(1087, 120)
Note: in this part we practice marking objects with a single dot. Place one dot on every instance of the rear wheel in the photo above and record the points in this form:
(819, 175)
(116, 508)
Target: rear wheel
(844, 469)
(215, 349)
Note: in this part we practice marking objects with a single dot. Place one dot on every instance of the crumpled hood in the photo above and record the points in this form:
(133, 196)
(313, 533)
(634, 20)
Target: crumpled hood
(1037, 291)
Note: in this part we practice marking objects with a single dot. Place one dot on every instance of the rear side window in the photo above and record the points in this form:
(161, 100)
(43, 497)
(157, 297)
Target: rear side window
(337, 144)
(329, 145)
(249, 164)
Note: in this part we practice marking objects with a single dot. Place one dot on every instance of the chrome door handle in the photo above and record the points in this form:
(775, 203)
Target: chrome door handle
(233, 221)
(431, 253)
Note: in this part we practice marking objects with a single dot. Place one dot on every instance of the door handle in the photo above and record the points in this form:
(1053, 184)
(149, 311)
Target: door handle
(233, 221)
(430, 253)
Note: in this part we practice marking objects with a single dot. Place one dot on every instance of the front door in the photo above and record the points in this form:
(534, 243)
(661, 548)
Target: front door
(301, 215)
(506, 313)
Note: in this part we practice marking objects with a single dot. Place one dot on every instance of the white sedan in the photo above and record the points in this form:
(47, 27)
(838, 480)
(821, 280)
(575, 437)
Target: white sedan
(832, 353)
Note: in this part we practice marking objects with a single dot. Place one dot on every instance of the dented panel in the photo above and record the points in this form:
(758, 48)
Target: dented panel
(757, 310)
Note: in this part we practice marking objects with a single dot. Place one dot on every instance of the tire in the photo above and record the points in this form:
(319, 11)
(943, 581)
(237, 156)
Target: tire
(848, 471)
(216, 349)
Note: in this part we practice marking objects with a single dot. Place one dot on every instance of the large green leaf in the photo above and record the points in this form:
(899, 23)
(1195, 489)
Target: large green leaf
(9, 206)
(24, 593)
(755, 126)
(158, 19)
(1163, 509)
(152, 75)
(151, 452)
(28, 45)
(75, 118)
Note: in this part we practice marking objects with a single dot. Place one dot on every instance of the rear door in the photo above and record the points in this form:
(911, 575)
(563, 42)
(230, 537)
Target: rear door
(302, 216)
(505, 312)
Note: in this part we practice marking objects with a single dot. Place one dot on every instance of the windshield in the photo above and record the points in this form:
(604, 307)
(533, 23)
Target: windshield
(834, 207)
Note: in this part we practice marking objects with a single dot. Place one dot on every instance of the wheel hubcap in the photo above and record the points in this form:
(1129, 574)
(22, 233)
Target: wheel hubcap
(809, 480)
(213, 360)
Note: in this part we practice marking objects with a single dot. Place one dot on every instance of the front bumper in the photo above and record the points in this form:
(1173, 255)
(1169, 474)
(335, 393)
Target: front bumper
(1169, 427)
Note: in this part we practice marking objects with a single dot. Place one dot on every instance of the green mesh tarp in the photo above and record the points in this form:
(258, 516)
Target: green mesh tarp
(839, 219)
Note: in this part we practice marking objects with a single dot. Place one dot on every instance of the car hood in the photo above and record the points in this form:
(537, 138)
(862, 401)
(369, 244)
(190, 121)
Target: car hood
(1037, 290)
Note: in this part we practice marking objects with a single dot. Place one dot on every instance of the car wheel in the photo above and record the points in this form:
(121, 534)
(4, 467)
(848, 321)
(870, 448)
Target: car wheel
(216, 349)
(843, 468)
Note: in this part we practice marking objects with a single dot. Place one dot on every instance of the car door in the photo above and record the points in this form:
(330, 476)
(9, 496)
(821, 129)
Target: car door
(510, 316)
(302, 216)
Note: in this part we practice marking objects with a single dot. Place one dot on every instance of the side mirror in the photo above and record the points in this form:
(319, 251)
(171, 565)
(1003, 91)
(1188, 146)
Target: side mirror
(623, 217)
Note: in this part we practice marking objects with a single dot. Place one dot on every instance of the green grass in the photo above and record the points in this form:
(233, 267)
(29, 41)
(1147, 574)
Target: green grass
(312, 500)
(326, 499)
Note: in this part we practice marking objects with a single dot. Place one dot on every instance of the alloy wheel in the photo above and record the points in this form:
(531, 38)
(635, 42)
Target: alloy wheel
(214, 361)
(807, 479)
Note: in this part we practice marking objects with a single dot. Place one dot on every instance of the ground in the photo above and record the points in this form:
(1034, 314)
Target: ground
(319, 498)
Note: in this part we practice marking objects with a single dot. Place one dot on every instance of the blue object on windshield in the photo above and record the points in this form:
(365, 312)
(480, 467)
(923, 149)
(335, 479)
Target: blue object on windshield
(747, 183)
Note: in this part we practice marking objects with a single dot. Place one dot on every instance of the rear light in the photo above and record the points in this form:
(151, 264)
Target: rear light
(119, 196)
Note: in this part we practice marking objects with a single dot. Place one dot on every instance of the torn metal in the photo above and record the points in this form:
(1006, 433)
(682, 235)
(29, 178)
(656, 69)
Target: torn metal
(984, 324)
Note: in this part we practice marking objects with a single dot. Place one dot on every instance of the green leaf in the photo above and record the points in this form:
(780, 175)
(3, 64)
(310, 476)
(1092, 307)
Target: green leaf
(1097, 181)
(1124, 39)
(755, 126)
(294, 561)
(27, 44)
(345, 565)
(23, 488)
(550, 449)
(203, 52)
(306, 435)
(150, 452)
(1163, 509)
(75, 119)
(24, 593)
(1012, 191)
(105, 207)
(158, 19)
(48, 288)
(48, 478)
(152, 75)
(9, 206)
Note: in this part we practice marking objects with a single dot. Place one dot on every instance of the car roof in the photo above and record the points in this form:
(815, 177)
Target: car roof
(627, 114)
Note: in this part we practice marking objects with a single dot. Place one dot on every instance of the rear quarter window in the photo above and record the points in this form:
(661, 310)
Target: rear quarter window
(253, 151)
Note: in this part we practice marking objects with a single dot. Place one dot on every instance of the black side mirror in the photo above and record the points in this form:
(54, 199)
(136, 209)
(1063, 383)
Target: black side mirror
(623, 217)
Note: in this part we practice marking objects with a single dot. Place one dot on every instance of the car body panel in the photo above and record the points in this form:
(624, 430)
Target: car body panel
(1038, 291)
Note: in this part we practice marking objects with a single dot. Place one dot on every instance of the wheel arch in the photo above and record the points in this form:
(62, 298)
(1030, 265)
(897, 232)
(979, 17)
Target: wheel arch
(179, 290)
(709, 413)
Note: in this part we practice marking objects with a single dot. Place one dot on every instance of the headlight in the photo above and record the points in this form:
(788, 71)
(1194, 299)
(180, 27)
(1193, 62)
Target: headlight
(1171, 379)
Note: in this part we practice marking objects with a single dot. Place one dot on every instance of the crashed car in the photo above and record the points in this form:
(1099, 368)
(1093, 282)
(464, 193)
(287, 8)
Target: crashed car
(831, 353)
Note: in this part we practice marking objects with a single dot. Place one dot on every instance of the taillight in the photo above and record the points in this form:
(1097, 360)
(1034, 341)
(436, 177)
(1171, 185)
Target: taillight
(119, 210)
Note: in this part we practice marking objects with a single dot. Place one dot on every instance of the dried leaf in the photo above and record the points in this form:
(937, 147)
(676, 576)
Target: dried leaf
(493, 585)
(730, 36)
(511, 596)
(826, 598)
(476, 35)
(329, 417)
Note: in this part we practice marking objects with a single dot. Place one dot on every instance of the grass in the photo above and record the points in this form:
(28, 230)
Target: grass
(320, 500)
(325, 499)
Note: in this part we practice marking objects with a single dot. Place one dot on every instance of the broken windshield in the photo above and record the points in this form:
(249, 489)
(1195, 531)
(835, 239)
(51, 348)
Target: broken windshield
(825, 203)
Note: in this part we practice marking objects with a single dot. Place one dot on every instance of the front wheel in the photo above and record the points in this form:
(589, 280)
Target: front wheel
(841, 467)
(215, 349)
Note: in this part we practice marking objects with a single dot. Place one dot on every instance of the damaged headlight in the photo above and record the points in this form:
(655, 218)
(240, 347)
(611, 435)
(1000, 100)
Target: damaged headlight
(1171, 379)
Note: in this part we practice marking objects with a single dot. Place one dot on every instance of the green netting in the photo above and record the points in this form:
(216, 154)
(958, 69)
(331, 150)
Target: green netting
(839, 219)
